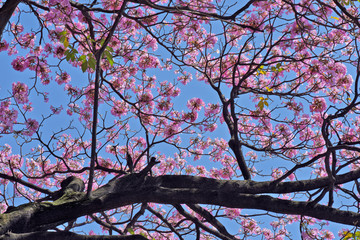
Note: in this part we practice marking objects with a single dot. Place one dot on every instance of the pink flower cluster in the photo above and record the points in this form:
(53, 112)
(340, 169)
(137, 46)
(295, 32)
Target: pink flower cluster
(31, 127)
(148, 61)
(8, 117)
(318, 105)
(20, 63)
(195, 104)
(119, 109)
(20, 92)
(64, 77)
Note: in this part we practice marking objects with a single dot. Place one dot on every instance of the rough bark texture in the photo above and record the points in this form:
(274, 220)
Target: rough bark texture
(65, 236)
(6, 12)
(137, 188)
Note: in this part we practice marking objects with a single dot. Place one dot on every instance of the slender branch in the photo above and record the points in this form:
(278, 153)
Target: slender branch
(198, 223)
(98, 55)
(211, 219)
(27, 184)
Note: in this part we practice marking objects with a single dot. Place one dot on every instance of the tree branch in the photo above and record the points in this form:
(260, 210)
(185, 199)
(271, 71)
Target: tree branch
(137, 188)
(66, 235)
(6, 12)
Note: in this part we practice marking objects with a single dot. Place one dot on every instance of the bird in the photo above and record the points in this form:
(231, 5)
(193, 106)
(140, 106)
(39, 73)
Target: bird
(129, 162)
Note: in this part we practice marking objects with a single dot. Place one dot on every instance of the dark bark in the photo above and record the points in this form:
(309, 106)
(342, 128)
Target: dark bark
(138, 188)
(65, 236)
(6, 12)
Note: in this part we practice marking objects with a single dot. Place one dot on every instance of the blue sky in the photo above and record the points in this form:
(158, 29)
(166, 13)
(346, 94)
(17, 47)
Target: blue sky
(195, 89)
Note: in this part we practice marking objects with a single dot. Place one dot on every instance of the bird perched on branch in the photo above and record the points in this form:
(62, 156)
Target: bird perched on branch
(129, 162)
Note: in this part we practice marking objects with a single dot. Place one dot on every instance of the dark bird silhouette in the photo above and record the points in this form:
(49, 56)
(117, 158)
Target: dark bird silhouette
(129, 162)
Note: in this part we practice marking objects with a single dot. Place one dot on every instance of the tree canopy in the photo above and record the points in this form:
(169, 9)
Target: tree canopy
(180, 119)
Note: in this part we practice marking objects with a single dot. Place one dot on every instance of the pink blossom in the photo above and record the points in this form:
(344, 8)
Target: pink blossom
(168, 89)
(318, 105)
(59, 51)
(276, 173)
(15, 161)
(150, 42)
(56, 110)
(71, 90)
(326, 234)
(31, 127)
(171, 129)
(20, 92)
(190, 116)
(190, 169)
(146, 100)
(17, 28)
(119, 109)
(195, 104)
(291, 177)
(310, 234)
(232, 213)
(20, 64)
(27, 40)
(3, 45)
(250, 226)
(201, 171)
(64, 77)
(148, 61)
(185, 78)
(7, 117)
(60, 2)
(48, 48)
(268, 234)
(345, 81)
(211, 109)
(211, 127)
(164, 105)
(28, 107)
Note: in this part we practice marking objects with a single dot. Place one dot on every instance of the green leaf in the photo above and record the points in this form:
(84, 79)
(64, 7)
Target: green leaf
(92, 63)
(73, 57)
(110, 49)
(109, 57)
(131, 231)
(62, 39)
(82, 58)
(66, 42)
(349, 236)
(63, 33)
(68, 56)
(261, 105)
(84, 65)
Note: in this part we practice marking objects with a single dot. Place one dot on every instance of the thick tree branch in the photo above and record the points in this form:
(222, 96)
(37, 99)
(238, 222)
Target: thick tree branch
(6, 12)
(137, 188)
(65, 235)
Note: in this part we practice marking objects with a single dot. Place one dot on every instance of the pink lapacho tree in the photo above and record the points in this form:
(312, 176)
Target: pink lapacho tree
(162, 119)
